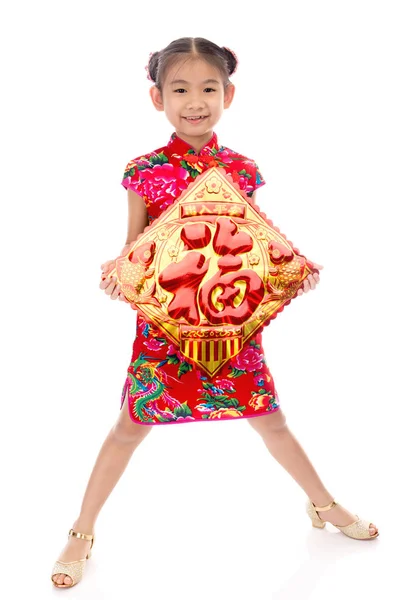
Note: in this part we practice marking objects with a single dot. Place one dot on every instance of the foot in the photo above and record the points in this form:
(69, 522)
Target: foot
(75, 549)
(340, 516)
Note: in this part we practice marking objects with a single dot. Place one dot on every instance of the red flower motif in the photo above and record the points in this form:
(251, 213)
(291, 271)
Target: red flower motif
(261, 401)
(173, 350)
(225, 156)
(163, 180)
(224, 384)
(192, 158)
(213, 163)
(153, 344)
(207, 159)
(244, 182)
(248, 360)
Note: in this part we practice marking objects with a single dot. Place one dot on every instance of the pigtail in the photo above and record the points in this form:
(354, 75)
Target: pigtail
(231, 59)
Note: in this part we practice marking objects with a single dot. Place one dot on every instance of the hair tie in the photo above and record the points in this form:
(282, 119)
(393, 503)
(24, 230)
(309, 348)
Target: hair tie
(147, 67)
(237, 62)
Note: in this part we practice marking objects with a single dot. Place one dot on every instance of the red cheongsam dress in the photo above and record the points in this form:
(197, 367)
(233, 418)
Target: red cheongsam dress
(161, 386)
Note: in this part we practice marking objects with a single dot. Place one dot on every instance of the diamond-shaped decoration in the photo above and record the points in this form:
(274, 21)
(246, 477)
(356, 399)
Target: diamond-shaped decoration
(211, 270)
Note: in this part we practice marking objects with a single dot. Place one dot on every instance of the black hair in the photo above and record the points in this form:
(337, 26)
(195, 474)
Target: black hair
(220, 57)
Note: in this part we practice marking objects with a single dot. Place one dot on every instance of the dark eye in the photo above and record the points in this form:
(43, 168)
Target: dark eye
(179, 90)
(212, 89)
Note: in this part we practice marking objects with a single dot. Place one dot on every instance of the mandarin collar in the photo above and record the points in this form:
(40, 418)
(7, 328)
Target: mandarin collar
(179, 146)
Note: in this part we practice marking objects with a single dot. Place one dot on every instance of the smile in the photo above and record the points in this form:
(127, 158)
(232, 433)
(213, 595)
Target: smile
(195, 119)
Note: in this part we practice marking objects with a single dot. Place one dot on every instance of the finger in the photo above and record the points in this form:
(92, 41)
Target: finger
(114, 294)
(116, 289)
(111, 286)
(105, 282)
(106, 265)
(299, 292)
(311, 282)
(306, 286)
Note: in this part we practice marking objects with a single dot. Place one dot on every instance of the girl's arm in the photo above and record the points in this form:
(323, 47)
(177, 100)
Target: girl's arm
(137, 217)
(137, 221)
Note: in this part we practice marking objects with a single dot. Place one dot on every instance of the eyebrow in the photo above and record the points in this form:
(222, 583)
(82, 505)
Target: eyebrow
(187, 82)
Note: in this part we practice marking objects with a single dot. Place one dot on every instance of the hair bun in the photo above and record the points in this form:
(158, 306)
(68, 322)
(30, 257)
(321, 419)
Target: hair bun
(152, 66)
(231, 59)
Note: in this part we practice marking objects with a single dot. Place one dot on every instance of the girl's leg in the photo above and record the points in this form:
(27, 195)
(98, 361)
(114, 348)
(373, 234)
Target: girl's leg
(115, 453)
(285, 448)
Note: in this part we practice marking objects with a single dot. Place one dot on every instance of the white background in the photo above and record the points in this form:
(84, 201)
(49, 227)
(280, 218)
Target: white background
(202, 509)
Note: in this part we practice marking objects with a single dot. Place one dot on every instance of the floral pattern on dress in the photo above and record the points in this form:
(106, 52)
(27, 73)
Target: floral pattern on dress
(161, 385)
(162, 175)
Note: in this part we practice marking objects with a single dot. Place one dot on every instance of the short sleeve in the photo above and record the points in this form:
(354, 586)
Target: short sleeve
(131, 178)
(256, 180)
(259, 179)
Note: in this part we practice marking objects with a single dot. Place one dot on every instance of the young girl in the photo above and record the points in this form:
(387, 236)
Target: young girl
(192, 87)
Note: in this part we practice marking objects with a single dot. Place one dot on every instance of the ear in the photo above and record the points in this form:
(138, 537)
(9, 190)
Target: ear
(228, 95)
(156, 98)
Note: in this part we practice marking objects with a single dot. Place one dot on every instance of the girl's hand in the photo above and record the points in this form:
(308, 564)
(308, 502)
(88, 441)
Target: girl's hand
(109, 284)
(310, 282)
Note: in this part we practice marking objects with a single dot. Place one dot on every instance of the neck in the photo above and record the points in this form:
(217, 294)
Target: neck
(197, 142)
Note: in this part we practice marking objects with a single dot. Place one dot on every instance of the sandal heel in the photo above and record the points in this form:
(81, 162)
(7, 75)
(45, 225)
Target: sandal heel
(319, 524)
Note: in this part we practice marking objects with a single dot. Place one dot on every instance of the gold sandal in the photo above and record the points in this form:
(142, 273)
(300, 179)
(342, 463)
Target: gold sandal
(359, 530)
(73, 569)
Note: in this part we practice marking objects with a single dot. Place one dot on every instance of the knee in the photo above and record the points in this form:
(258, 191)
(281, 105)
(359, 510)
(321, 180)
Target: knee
(127, 431)
(272, 423)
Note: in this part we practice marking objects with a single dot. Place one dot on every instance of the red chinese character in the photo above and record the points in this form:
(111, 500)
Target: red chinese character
(186, 276)
(228, 242)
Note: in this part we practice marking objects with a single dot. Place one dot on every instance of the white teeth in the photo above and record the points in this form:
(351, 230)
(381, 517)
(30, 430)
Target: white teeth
(194, 118)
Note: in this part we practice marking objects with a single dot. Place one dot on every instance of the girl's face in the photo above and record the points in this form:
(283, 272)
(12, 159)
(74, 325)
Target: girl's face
(193, 88)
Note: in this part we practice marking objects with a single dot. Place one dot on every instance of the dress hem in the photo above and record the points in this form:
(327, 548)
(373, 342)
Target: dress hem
(181, 420)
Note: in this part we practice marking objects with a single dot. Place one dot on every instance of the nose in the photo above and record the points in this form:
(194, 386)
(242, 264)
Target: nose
(194, 101)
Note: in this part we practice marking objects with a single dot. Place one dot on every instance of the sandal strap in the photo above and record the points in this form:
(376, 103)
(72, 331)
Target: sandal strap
(327, 507)
(85, 536)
